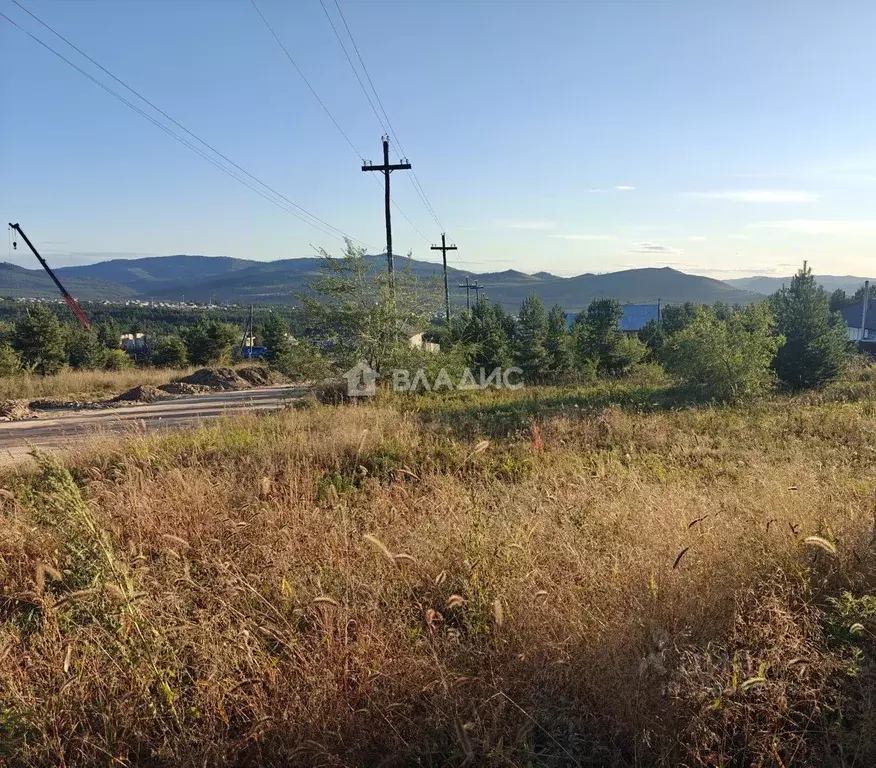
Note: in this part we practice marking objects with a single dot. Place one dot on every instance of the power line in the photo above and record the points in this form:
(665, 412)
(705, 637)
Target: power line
(414, 180)
(353, 67)
(327, 111)
(306, 81)
(281, 200)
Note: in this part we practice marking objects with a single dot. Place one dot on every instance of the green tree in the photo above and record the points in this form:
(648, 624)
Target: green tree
(597, 334)
(557, 343)
(170, 352)
(488, 339)
(627, 352)
(117, 360)
(816, 348)
(208, 341)
(675, 317)
(275, 336)
(39, 340)
(10, 362)
(530, 339)
(839, 300)
(352, 305)
(109, 335)
(84, 350)
(725, 359)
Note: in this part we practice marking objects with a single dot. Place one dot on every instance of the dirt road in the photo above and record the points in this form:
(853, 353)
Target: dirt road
(62, 428)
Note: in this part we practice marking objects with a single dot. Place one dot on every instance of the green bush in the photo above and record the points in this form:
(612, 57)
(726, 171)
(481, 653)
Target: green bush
(10, 362)
(170, 352)
(725, 359)
(117, 360)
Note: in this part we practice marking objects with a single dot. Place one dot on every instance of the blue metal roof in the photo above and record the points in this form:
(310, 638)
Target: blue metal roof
(852, 315)
(636, 315)
(633, 319)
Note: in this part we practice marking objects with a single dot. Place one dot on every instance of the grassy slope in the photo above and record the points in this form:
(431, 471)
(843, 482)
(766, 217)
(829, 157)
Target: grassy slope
(377, 585)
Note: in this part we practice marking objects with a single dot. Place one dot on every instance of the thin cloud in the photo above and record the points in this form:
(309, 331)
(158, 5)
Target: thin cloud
(584, 237)
(853, 227)
(530, 225)
(696, 238)
(653, 248)
(760, 195)
(624, 188)
(737, 237)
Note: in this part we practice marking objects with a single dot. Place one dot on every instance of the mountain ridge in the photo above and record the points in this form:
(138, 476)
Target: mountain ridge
(224, 279)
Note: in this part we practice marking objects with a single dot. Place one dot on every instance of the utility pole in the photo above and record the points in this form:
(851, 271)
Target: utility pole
(467, 291)
(478, 287)
(444, 248)
(387, 169)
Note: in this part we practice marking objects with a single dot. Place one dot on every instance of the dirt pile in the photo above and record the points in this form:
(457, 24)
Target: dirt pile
(60, 404)
(144, 393)
(217, 379)
(14, 410)
(182, 388)
(261, 375)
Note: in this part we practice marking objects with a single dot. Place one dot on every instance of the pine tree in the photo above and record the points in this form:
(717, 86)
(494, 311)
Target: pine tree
(557, 343)
(109, 335)
(530, 351)
(274, 336)
(488, 337)
(39, 340)
(170, 352)
(85, 351)
(816, 346)
(598, 334)
(209, 341)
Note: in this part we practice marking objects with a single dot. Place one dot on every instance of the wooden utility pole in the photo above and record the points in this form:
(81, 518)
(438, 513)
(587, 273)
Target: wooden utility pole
(467, 291)
(478, 287)
(386, 169)
(444, 248)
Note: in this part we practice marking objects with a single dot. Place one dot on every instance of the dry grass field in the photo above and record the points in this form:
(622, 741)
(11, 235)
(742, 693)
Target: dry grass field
(83, 384)
(600, 577)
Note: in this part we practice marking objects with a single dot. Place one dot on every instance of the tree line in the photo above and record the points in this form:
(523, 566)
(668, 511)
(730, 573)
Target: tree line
(351, 313)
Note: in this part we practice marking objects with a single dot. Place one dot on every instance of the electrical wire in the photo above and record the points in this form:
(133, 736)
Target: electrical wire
(306, 81)
(353, 67)
(278, 199)
(418, 187)
(328, 112)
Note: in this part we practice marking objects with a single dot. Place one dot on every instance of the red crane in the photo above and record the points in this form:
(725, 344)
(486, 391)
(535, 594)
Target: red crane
(70, 301)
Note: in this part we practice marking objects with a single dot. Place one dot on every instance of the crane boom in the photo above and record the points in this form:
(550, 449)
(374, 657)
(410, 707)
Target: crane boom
(68, 299)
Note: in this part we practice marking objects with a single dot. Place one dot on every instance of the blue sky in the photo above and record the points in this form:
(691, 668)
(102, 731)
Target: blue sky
(719, 138)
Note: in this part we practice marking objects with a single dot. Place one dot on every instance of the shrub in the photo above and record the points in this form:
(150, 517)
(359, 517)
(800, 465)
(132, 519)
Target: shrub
(725, 359)
(10, 363)
(117, 360)
(170, 352)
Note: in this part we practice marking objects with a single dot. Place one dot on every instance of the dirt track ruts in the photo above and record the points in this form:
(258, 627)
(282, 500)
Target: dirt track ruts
(61, 428)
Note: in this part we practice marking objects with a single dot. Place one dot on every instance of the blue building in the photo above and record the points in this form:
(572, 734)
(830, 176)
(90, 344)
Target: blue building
(634, 318)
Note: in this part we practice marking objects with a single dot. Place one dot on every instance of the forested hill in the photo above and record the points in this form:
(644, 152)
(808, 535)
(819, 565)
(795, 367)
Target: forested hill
(222, 279)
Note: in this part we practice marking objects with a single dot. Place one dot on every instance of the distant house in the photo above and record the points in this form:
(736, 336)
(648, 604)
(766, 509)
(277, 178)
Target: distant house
(418, 342)
(634, 318)
(133, 342)
(852, 317)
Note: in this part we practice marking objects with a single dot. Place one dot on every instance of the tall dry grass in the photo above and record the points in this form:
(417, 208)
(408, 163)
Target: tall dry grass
(372, 586)
(83, 384)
